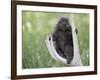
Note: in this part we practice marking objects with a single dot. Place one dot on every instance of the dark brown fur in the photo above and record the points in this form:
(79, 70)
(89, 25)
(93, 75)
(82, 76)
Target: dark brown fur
(63, 39)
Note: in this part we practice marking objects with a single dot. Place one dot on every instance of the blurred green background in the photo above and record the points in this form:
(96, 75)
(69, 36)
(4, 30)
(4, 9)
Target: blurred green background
(36, 26)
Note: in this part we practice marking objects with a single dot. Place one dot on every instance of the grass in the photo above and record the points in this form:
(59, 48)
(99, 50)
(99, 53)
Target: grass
(36, 26)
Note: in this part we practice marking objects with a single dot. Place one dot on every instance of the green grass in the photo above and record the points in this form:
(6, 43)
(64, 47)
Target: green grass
(36, 26)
